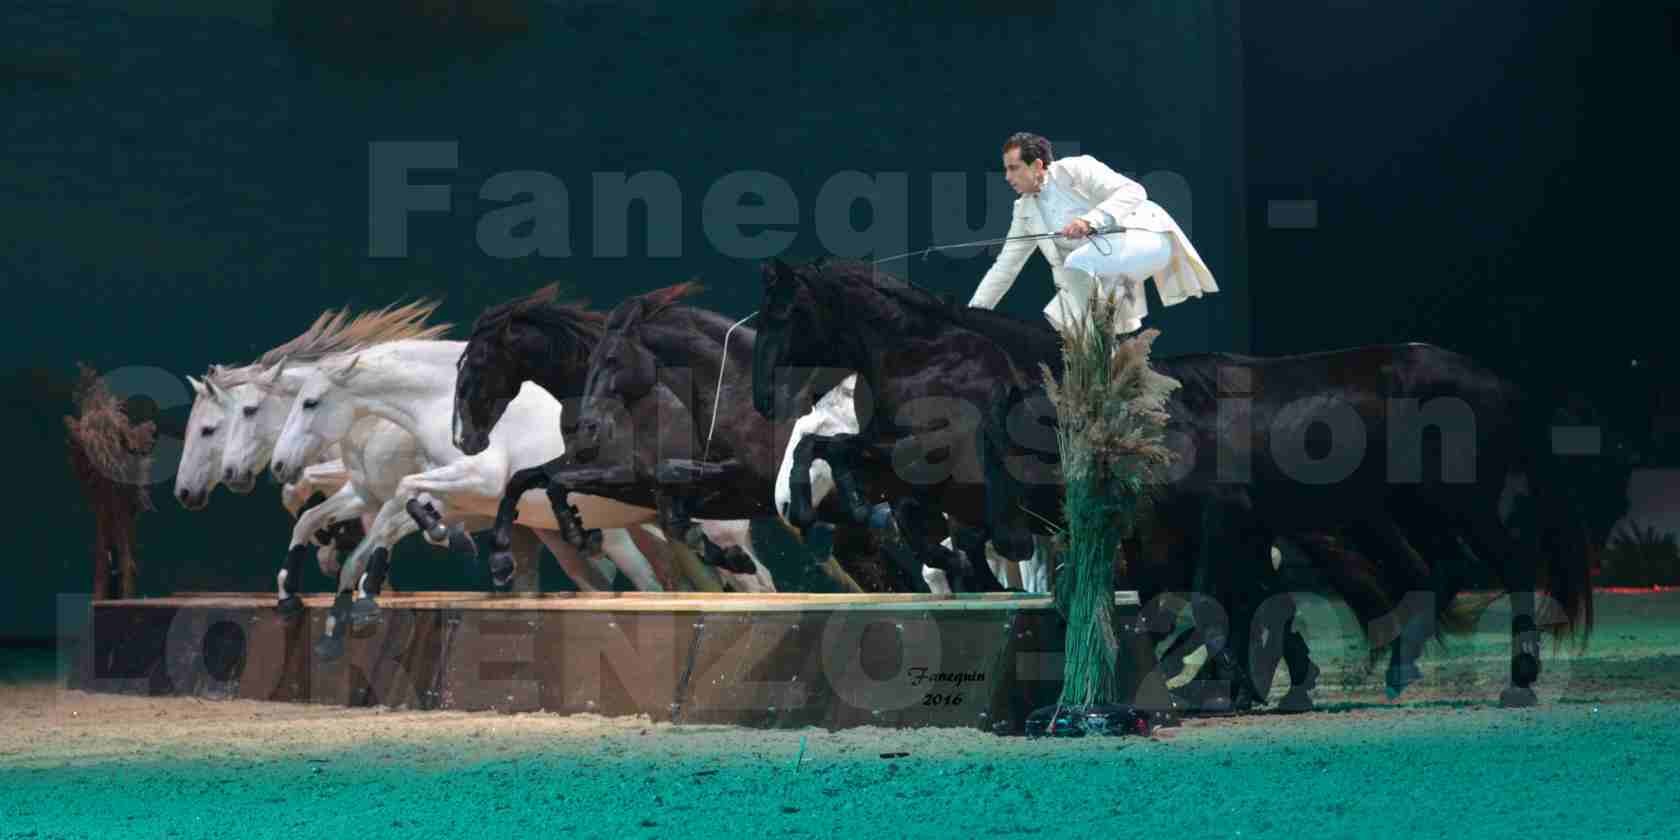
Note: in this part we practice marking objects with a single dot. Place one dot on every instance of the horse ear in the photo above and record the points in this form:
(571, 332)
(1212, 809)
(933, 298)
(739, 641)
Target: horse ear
(272, 376)
(343, 374)
(198, 387)
(215, 390)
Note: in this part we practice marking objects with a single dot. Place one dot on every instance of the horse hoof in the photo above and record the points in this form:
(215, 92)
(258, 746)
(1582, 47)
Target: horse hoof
(290, 606)
(1295, 702)
(365, 614)
(735, 560)
(1399, 677)
(592, 541)
(501, 567)
(329, 649)
(460, 542)
(1517, 697)
(1525, 669)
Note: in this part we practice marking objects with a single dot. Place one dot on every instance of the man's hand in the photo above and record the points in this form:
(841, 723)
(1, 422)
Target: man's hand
(1077, 229)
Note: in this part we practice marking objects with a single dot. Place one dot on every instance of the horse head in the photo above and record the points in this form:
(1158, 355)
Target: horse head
(529, 339)
(622, 370)
(201, 453)
(256, 410)
(487, 378)
(320, 416)
(795, 340)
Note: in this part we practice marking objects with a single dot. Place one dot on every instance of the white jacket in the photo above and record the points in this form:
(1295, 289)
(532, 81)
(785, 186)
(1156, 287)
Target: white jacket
(1112, 198)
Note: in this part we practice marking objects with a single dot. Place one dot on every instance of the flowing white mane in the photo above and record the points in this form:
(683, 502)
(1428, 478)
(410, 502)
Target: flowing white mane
(335, 332)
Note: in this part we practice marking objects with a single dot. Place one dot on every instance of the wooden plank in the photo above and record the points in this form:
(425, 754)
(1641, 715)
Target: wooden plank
(752, 670)
(615, 663)
(761, 661)
(641, 601)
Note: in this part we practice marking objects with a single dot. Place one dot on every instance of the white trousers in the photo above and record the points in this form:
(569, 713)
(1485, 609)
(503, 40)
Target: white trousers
(1120, 262)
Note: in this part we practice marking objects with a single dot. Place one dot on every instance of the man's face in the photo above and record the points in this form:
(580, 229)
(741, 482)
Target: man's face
(1025, 179)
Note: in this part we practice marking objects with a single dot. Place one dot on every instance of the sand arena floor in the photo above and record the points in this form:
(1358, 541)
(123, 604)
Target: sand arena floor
(1599, 757)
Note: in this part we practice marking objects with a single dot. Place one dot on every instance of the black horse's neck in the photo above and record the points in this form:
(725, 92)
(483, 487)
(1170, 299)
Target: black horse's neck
(882, 312)
(702, 343)
(554, 350)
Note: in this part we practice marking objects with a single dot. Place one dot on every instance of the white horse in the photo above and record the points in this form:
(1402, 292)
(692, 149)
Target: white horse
(214, 415)
(199, 470)
(836, 413)
(412, 383)
(376, 455)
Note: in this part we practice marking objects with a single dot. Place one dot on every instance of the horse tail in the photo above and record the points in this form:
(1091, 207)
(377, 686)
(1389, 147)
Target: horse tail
(1560, 534)
(1462, 614)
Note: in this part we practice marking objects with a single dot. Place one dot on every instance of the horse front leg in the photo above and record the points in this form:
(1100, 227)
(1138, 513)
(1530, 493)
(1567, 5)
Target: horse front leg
(916, 525)
(675, 520)
(559, 482)
(690, 476)
(346, 503)
(521, 482)
(370, 559)
(365, 573)
(842, 452)
(1004, 525)
(425, 499)
(1225, 535)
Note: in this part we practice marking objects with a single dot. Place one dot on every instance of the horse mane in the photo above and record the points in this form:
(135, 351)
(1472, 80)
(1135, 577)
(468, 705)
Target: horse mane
(925, 309)
(543, 308)
(336, 331)
(653, 304)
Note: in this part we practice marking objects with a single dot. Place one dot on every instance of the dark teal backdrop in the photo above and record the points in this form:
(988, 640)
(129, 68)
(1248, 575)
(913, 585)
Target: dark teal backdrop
(189, 182)
(195, 188)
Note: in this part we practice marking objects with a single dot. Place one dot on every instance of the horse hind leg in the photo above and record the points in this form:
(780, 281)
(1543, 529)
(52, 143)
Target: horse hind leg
(1303, 673)
(972, 543)
(585, 576)
(587, 543)
(746, 574)
(1412, 619)
(732, 559)
(1491, 543)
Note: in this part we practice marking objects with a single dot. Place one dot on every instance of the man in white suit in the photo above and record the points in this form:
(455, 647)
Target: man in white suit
(1077, 197)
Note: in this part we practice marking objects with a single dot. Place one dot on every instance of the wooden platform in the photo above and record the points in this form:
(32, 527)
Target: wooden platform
(793, 660)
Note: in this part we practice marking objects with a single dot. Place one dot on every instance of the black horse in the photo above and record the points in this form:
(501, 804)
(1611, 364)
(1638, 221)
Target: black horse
(1243, 428)
(538, 339)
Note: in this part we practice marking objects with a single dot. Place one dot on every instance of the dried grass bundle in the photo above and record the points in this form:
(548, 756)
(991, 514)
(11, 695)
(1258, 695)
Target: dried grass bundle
(1112, 419)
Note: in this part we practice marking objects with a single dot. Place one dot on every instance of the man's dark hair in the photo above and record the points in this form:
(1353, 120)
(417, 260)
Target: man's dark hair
(1032, 146)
